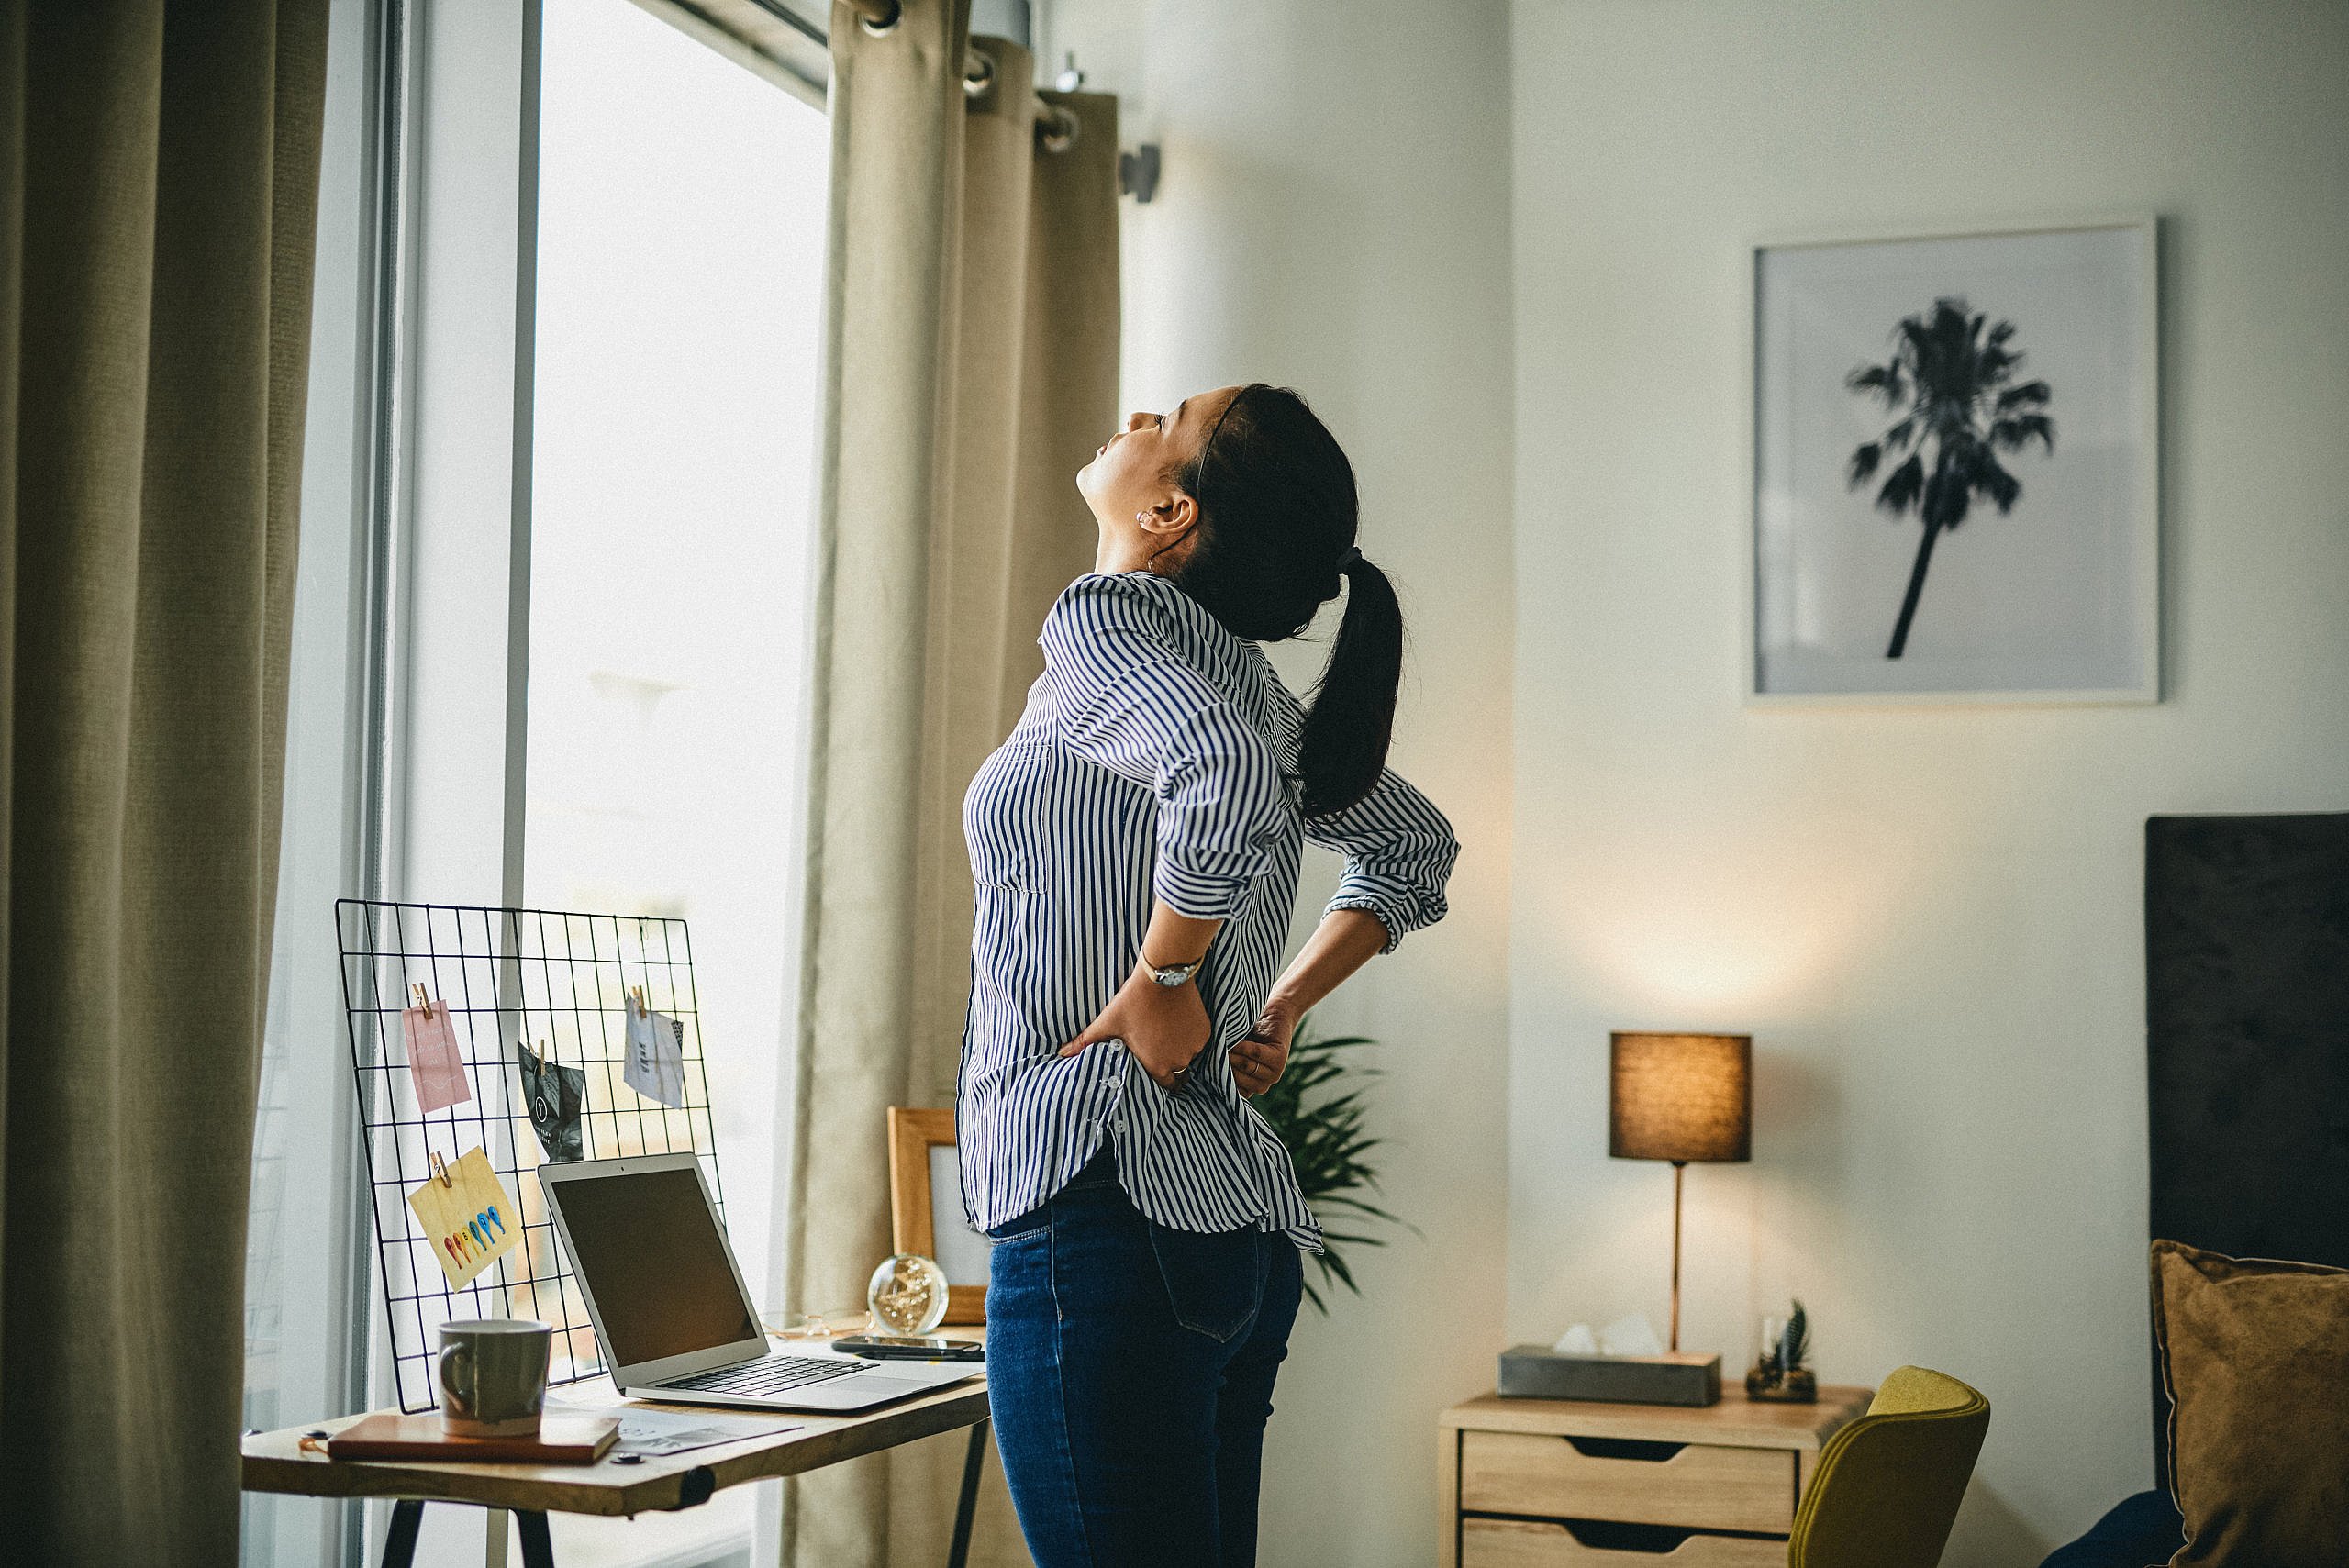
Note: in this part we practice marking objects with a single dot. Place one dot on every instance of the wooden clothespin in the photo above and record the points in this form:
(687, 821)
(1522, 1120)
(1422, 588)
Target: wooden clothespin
(636, 999)
(423, 998)
(439, 1171)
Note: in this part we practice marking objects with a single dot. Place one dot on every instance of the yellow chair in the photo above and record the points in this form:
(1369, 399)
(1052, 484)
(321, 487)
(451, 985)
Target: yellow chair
(1888, 1484)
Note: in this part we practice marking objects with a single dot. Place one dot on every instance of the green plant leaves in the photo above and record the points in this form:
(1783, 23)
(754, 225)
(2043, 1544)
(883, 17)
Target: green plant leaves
(1318, 1110)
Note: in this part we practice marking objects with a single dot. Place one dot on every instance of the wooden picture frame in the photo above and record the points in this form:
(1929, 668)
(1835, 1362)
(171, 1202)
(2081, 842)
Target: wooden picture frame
(913, 1225)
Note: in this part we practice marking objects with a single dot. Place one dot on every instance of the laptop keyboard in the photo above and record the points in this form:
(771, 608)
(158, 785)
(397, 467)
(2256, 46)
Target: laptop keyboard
(770, 1374)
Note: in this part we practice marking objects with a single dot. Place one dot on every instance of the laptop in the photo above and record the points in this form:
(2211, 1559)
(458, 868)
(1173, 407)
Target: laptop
(666, 1297)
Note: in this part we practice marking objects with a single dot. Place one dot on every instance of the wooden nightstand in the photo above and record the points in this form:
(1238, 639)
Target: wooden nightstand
(1575, 1484)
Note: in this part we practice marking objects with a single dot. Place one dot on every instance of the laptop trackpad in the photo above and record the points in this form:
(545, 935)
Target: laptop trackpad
(872, 1388)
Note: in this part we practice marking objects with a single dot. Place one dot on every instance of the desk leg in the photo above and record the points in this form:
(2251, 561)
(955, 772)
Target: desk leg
(492, 1554)
(399, 1541)
(967, 1506)
(538, 1547)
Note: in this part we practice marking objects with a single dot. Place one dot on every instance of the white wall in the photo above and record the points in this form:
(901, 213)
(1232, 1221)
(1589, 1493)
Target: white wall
(1930, 920)
(1333, 215)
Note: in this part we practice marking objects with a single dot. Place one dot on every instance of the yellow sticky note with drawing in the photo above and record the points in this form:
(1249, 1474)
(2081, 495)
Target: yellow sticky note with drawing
(466, 1216)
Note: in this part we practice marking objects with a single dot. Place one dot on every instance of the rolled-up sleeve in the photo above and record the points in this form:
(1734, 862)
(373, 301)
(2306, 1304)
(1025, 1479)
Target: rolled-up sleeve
(1127, 701)
(1399, 850)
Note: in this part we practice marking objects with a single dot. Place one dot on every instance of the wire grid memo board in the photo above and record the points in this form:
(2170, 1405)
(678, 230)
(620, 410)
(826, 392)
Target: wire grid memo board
(557, 981)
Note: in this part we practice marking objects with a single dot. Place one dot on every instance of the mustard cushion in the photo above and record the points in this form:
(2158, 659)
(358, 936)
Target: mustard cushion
(2255, 1356)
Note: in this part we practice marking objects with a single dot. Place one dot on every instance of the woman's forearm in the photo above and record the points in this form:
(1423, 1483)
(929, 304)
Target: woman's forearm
(1175, 938)
(1341, 944)
(1161, 1027)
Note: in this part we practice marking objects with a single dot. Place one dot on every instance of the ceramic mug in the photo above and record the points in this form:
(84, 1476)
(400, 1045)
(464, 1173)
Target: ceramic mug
(493, 1374)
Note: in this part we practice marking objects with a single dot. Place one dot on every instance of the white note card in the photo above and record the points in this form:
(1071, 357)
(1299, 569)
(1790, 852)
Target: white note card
(656, 1056)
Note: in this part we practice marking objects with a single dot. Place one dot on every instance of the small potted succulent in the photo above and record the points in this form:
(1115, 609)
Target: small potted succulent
(1780, 1377)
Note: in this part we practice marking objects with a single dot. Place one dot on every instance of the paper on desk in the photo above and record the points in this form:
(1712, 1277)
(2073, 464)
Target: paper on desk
(657, 1432)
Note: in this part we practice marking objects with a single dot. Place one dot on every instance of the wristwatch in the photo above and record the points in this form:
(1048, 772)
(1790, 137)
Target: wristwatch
(1173, 974)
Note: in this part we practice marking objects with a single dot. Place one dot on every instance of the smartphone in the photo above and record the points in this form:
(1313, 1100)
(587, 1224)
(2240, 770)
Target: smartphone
(911, 1347)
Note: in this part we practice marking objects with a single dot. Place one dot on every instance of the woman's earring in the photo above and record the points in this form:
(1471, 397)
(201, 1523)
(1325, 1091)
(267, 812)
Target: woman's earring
(1142, 518)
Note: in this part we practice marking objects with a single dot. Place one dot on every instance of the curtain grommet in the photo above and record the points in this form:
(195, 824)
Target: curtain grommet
(978, 76)
(881, 19)
(1057, 131)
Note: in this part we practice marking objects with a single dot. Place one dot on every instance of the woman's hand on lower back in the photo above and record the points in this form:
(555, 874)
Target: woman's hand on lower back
(1260, 1059)
(1163, 1027)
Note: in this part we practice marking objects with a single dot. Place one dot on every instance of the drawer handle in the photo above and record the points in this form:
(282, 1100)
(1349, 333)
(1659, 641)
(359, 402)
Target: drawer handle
(1605, 1535)
(1625, 1448)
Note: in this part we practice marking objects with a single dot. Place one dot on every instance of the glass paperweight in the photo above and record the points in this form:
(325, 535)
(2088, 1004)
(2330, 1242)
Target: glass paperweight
(1778, 1374)
(907, 1294)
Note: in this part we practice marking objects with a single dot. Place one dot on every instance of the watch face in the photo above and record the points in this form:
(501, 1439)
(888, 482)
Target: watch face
(1171, 975)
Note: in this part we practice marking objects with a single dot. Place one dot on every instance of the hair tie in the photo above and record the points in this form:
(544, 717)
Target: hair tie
(1348, 558)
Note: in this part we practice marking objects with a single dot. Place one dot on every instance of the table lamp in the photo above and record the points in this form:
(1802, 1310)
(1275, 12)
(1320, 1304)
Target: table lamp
(1680, 1097)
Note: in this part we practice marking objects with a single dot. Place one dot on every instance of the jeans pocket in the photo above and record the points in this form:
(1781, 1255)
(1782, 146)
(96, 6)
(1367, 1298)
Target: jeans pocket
(1036, 1221)
(1212, 1279)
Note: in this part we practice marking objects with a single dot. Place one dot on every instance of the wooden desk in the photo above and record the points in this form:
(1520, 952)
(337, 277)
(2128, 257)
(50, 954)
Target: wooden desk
(275, 1461)
(1580, 1484)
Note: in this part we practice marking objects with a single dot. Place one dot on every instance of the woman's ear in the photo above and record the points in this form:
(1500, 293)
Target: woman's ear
(1174, 515)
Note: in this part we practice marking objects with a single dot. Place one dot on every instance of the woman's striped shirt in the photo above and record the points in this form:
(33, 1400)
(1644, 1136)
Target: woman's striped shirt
(1157, 757)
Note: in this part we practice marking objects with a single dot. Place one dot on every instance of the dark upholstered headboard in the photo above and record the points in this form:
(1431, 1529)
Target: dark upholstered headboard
(2247, 1037)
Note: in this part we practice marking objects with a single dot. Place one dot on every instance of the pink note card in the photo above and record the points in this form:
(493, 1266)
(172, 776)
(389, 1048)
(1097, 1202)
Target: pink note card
(433, 1063)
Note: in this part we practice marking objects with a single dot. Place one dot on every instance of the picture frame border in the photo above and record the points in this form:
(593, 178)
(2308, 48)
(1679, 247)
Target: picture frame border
(2149, 524)
(913, 1133)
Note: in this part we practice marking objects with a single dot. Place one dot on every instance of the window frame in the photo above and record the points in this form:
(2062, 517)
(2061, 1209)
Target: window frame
(417, 514)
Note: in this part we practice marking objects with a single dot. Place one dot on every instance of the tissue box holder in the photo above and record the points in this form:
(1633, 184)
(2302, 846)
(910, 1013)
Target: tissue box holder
(1536, 1371)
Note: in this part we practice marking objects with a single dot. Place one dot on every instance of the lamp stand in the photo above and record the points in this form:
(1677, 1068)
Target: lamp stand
(1679, 1168)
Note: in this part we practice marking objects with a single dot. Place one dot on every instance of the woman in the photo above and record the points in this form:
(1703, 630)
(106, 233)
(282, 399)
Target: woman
(1135, 845)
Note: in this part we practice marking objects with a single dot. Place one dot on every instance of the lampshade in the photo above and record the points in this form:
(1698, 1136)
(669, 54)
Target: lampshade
(1680, 1097)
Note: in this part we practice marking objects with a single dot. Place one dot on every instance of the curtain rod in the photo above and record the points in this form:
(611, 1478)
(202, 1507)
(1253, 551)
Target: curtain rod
(1056, 127)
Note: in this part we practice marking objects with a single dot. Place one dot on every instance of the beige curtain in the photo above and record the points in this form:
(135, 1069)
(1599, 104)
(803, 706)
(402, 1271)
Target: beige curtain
(158, 193)
(972, 353)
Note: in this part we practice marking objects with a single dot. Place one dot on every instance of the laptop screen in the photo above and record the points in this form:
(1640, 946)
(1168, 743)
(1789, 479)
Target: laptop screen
(647, 1247)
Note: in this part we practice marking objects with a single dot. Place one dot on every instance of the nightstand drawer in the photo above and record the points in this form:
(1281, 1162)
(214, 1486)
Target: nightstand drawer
(1527, 1543)
(1696, 1485)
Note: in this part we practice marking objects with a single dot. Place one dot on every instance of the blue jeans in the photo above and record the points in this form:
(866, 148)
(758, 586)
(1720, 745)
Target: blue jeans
(1129, 1372)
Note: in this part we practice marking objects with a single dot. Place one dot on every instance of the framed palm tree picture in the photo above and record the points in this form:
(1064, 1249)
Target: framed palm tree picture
(1955, 469)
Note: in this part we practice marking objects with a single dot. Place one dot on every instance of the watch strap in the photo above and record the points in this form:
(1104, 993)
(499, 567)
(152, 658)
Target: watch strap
(1170, 974)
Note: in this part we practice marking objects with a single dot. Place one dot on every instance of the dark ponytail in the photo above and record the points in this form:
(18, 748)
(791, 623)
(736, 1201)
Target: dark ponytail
(1277, 517)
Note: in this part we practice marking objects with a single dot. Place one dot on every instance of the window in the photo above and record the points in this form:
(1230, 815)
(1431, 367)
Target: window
(651, 760)
(681, 242)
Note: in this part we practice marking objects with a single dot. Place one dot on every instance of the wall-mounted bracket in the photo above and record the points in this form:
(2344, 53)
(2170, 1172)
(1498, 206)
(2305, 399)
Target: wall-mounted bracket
(1138, 172)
